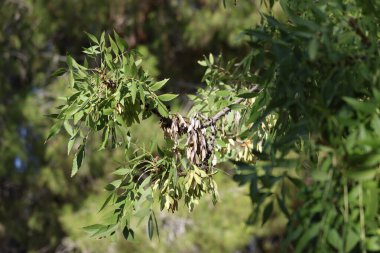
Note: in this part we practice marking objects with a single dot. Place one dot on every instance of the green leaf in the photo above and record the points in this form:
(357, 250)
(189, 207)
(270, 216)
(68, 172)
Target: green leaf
(138, 62)
(71, 78)
(102, 39)
(142, 94)
(105, 137)
(360, 106)
(310, 233)
(106, 230)
(120, 43)
(237, 107)
(114, 47)
(335, 240)
(162, 109)
(106, 202)
(54, 130)
(248, 95)
(92, 38)
(150, 227)
(91, 51)
(72, 63)
(296, 181)
(133, 91)
(78, 116)
(167, 97)
(267, 213)
(155, 223)
(202, 63)
(373, 243)
(70, 145)
(68, 127)
(122, 171)
(362, 175)
(78, 159)
(52, 115)
(313, 48)
(113, 185)
(158, 85)
(211, 59)
(59, 72)
(320, 175)
(73, 109)
(223, 93)
(69, 61)
(108, 111)
(126, 232)
(281, 204)
(92, 229)
(352, 239)
(108, 59)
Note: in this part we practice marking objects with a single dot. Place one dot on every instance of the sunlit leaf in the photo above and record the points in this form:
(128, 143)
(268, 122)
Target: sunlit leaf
(159, 85)
(167, 97)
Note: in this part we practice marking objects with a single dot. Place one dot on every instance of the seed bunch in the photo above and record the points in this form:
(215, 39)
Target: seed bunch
(200, 141)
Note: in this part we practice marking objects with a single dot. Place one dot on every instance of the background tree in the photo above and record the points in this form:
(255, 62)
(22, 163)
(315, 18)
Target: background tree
(42, 209)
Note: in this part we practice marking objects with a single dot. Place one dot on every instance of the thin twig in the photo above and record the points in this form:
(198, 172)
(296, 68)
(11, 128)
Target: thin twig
(167, 121)
(226, 110)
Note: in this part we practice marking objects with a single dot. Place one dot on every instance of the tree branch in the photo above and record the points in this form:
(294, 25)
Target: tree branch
(166, 121)
(226, 110)
(354, 25)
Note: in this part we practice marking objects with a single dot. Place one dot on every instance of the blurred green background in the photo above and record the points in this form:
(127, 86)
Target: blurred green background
(42, 209)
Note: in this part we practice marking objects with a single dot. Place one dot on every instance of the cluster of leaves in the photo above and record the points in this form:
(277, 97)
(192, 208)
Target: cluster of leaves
(111, 92)
(35, 186)
(228, 85)
(319, 72)
(313, 112)
(144, 180)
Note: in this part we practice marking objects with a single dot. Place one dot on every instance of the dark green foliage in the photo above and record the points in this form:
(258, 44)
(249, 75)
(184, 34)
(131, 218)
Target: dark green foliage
(319, 73)
(36, 189)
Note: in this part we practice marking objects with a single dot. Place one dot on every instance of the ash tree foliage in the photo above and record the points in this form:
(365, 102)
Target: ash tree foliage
(298, 117)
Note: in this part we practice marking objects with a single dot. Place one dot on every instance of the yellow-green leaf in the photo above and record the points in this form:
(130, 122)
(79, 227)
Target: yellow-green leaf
(167, 97)
(159, 85)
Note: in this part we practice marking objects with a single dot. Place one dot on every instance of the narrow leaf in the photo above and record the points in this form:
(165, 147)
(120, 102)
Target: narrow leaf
(159, 85)
(133, 91)
(106, 202)
(93, 38)
(267, 212)
(78, 159)
(150, 227)
(121, 172)
(54, 130)
(70, 145)
(167, 97)
(68, 127)
(120, 42)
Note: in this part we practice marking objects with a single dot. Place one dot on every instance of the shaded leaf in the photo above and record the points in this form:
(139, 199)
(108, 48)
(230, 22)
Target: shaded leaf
(267, 212)
(78, 159)
(150, 227)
